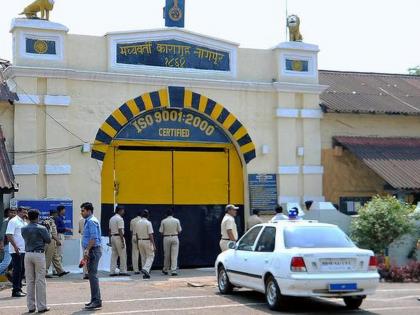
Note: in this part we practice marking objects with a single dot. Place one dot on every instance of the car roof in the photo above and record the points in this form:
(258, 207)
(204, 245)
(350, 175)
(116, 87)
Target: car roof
(285, 223)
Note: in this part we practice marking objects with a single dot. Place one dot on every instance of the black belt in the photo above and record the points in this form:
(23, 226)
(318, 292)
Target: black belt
(144, 239)
(170, 235)
(35, 251)
(115, 235)
(226, 239)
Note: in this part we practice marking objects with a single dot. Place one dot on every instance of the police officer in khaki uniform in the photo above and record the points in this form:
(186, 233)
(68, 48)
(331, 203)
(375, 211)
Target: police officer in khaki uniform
(228, 227)
(170, 228)
(144, 234)
(254, 219)
(116, 239)
(134, 244)
(51, 250)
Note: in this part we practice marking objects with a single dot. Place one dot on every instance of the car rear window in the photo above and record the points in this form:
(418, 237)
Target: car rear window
(316, 237)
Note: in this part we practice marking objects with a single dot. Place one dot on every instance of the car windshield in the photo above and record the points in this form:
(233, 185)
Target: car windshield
(316, 237)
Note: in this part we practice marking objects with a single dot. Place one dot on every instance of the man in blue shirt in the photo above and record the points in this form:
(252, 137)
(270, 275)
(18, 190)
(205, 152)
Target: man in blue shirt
(92, 252)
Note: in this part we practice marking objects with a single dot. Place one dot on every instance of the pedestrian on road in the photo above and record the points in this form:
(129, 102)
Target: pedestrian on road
(4, 244)
(92, 252)
(170, 228)
(116, 239)
(61, 229)
(17, 250)
(279, 214)
(254, 219)
(134, 244)
(51, 251)
(146, 242)
(36, 237)
(81, 227)
(228, 227)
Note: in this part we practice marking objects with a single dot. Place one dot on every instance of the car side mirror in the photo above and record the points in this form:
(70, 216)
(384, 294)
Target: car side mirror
(231, 245)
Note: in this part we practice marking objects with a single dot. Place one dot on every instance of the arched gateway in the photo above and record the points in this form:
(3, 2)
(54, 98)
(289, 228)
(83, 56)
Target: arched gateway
(175, 148)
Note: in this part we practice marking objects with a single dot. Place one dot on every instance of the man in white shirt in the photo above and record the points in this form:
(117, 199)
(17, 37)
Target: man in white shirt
(228, 227)
(279, 215)
(116, 239)
(254, 219)
(17, 249)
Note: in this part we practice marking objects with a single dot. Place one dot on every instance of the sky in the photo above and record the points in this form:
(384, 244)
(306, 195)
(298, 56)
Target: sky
(353, 35)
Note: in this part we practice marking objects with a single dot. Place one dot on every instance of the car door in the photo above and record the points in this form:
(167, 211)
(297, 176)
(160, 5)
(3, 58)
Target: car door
(238, 268)
(262, 257)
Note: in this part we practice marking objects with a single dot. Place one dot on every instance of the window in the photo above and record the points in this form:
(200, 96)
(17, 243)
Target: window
(316, 237)
(351, 205)
(267, 240)
(248, 240)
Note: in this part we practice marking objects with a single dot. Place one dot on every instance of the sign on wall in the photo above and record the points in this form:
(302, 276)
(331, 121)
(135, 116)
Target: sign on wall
(40, 47)
(44, 206)
(172, 54)
(173, 125)
(174, 13)
(262, 191)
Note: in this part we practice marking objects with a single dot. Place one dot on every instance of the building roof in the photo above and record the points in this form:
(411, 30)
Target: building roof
(7, 178)
(396, 160)
(369, 93)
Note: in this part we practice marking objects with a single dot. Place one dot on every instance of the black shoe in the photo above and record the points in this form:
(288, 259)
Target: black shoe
(174, 273)
(85, 277)
(63, 273)
(124, 274)
(93, 306)
(137, 272)
(48, 276)
(165, 272)
(31, 311)
(18, 294)
(146, 277)
(113, 274)
(44, 310)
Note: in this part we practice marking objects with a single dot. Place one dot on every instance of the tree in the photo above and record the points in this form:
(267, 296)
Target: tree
(414, 70)
(380, 222)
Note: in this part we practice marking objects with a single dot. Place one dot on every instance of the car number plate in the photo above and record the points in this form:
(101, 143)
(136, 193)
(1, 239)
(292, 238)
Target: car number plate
(342, 287)
(340, 264)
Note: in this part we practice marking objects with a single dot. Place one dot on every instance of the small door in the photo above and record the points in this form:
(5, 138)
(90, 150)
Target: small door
(143, 177)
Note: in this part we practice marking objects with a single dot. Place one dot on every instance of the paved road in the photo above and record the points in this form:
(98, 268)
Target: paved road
(193, 292)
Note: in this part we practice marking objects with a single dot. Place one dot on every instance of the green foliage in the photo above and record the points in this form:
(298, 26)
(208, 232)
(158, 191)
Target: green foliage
(414, 70)
(380, 222)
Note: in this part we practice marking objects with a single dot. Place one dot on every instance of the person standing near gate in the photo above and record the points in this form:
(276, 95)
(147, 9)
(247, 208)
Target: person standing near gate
(51, 254)
(134, 244)
(17, 249)
(36, 237)
(228, 227)
(61, 229)
(144, 234)
(254, 219)
(116, 239)
(170, 228)
(92, 252)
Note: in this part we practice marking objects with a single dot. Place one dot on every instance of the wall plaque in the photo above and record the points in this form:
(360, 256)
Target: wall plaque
(262, 191)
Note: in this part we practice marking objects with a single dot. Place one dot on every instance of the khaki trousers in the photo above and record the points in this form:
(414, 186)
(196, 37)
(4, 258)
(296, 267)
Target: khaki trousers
(60, 249)
(52, 256)
(223, 245)
(118, 251)
(147, 254)
(35, 281)
(170, 252)
(135, 254)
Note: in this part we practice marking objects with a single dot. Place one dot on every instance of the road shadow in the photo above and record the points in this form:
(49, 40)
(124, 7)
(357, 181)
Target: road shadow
(295, 305)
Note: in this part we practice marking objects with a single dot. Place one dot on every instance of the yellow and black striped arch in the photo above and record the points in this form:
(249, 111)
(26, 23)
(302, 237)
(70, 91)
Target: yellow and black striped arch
(175, 97)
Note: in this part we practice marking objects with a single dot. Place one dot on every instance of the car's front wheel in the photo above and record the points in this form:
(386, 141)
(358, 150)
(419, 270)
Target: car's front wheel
(275, 299)
(353, 302)
(225, 287)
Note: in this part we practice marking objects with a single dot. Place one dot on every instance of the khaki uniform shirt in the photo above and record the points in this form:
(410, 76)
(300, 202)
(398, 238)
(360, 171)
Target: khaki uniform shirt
(228, 223)
(142, 228)
(133, 223)
(170, 226)
(53, 227)
(253, 220)
(116, 223)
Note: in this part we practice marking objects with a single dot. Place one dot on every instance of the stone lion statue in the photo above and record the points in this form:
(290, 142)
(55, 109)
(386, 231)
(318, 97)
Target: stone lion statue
(43, 6)
(293, 23)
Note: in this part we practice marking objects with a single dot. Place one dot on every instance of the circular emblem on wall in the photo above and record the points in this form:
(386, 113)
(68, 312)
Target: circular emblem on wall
(175, 13)
(297, 65)
(41, 46)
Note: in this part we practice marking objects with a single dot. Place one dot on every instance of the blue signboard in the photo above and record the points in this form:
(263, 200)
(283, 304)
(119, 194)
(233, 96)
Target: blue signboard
(174, 13)
(297, 65)
(40, 47)
(44, 206)
(262, 191)
(173, 125)
(172, 54)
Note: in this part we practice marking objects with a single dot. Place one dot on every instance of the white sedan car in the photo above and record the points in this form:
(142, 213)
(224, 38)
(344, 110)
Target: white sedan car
(298, 258)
